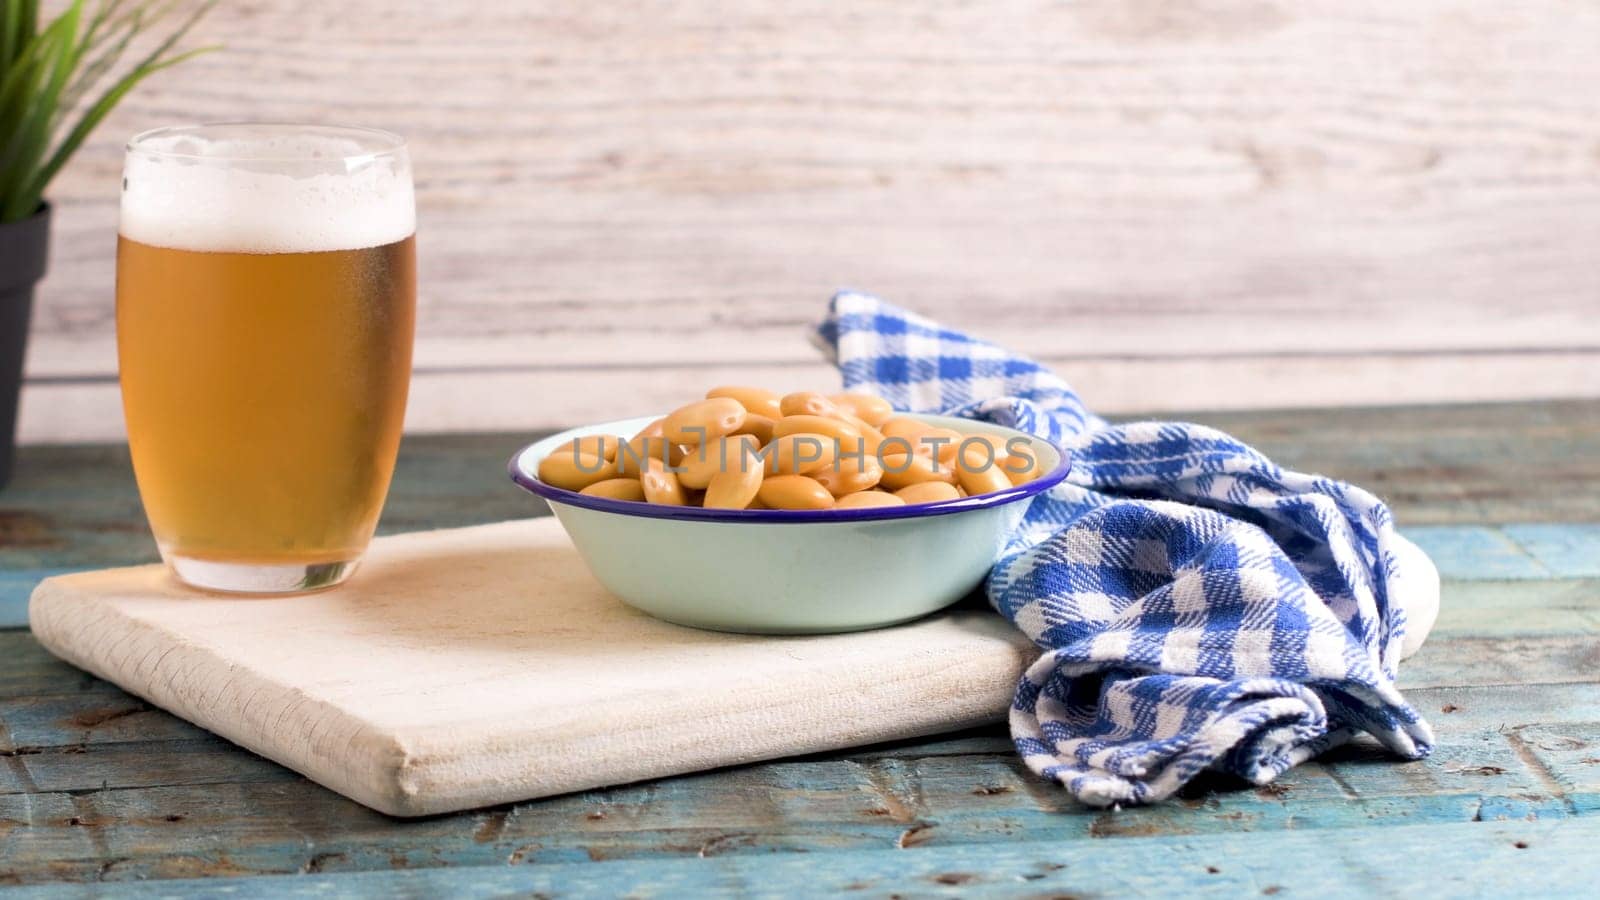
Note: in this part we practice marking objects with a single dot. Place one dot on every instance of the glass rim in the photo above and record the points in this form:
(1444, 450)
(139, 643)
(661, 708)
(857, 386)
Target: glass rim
(386, 143)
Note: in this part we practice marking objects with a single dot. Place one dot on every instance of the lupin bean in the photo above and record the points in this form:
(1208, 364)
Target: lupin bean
(616, 489)
(806, 403)
(794, 492)
(734, 488)
(867, 500)
(574, 471)
(978, 473)
(632, 456)
(604, 445)
(851, 475)
(759, 427)
(747, 447)
(905, 469)
(847, 434)
(661, 484)
(869, 408)
(928, 492)
(798, 454)
(1021, 465)
(703, 420)
(904, 427)
(702, 463)
(871, 438)
(756, 401)
(940, 442)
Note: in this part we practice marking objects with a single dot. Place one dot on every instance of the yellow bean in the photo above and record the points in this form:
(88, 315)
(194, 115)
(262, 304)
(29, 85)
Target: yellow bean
(940, 442)
(980, 446)
(734, 488)
(869, 408)
(806, 403)
(758, 401)
(798, 454)
(794, 492)
(903, 470)
(598, 444)
(849, 474)
(703, 420)
(995, 441)
(928, 492)
(574, 471)
(867, 499)
(871, 437)
(616, 489)
(904, 427)
(724, 454)
(1021, 465)
(661, 485)
(633, 454)
(745, 447)
(759, 427)
(978, 472)
(840, 429)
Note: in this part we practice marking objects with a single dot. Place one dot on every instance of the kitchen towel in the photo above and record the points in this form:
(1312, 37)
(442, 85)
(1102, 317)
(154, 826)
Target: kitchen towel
(1198, 606)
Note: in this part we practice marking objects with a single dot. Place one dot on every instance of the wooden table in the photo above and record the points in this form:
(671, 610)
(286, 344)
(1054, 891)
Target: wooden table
(96, 786)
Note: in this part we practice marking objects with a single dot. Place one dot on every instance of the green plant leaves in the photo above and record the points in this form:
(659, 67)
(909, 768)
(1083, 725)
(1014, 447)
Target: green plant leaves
(44, 74)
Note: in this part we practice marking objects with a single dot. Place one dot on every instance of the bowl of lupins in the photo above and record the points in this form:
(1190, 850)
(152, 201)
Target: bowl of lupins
(799, 513)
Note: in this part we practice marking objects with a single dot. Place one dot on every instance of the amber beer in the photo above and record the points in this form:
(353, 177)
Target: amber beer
(264, 359)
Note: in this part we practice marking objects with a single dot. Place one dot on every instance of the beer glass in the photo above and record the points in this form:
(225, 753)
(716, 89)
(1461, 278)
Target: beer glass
(266, 300)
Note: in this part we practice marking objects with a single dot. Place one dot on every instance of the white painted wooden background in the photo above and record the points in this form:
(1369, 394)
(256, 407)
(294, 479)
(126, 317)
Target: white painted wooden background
(1179, 203)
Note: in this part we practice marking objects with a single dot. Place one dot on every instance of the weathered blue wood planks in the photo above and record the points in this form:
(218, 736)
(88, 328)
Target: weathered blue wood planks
(1535, 463)
(1462, 553)
(15, 586)
(97, 786)
(1503, 859)
(1566, 550)
(163, 799)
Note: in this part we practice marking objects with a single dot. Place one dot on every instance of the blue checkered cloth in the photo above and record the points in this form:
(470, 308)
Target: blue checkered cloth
(1198, 606)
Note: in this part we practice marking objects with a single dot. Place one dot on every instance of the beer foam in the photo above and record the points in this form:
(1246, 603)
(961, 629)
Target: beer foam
(275, 194)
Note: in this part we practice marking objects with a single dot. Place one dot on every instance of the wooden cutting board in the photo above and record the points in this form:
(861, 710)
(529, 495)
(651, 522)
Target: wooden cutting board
(484, 665)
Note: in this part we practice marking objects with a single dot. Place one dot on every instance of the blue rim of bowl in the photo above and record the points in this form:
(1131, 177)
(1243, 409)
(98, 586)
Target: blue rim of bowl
(640, 509)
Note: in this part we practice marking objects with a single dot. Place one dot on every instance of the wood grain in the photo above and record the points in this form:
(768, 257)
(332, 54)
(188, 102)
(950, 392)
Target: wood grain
(475, 666)
(98, 786)
(1450, 466)
(153, 802)
(1248, 202)
(1509, 859)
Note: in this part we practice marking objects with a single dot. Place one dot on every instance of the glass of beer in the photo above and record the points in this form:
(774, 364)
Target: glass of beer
(266, 300)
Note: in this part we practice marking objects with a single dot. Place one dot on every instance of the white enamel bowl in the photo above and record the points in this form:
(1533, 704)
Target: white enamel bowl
(788, 572)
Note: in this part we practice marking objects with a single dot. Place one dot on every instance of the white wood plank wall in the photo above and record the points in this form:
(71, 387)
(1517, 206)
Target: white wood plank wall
(1180, 203)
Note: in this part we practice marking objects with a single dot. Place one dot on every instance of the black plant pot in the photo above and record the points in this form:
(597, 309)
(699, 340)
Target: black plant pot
(23, 245)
